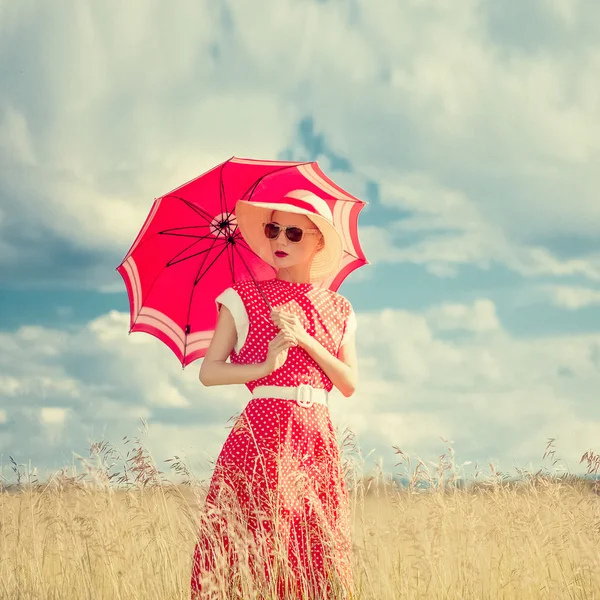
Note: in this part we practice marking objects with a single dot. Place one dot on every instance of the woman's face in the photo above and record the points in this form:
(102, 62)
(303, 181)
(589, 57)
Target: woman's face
(295, 253)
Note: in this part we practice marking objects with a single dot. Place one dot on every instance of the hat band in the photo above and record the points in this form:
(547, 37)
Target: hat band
(300, 204)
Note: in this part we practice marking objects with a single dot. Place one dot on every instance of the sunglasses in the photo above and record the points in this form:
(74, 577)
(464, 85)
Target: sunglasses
(293, 233)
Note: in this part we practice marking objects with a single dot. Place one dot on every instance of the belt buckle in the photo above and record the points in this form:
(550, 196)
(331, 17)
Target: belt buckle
(303, 396)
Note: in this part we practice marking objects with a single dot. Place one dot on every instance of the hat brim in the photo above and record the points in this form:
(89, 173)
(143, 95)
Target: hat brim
(251, 217)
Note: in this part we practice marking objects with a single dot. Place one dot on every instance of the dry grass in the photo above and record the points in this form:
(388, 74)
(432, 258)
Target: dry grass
(129, 533)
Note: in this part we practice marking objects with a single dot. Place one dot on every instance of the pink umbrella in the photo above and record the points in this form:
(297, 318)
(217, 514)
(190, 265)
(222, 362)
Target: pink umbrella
(189, 249)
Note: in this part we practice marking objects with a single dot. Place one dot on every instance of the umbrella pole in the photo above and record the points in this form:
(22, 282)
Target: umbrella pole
(260, 290)
(255, 282)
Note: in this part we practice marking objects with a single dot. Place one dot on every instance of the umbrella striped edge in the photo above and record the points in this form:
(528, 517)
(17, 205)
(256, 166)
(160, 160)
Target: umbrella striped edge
(187, 347)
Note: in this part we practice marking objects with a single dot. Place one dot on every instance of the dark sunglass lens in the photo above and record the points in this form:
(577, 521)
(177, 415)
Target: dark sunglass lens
(294, 234)
(271, 230)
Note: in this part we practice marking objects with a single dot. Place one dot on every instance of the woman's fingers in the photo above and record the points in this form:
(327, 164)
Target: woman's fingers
(285, 334)
(285, 341)
(287, 331)
(278, 345)
(279, 349)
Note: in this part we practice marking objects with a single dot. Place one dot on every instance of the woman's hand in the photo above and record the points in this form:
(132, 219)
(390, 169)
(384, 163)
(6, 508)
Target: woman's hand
(278, 351)
(291, 323)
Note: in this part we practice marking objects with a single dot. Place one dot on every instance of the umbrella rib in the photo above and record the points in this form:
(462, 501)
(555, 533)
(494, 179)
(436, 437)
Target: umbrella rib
(189, 235)
(151, 236)
(188, 227)
(198, 278)
(253, 277)
(194, 207)
(352, 255)
(143, 299)
(230, 257)
(206, 250)
(240, 241)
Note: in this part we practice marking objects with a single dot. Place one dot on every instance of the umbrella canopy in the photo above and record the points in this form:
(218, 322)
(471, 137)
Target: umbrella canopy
(190, 249)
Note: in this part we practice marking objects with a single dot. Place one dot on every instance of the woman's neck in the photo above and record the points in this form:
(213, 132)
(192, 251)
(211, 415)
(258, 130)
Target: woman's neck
(293, 275)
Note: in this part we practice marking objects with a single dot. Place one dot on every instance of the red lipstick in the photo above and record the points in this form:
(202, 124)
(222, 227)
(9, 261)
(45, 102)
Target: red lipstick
(280, 254)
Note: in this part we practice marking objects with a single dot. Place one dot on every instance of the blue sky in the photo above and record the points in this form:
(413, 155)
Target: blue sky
(472, 129)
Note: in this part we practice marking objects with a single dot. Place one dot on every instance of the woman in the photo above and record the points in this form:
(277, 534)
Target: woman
(277, 514)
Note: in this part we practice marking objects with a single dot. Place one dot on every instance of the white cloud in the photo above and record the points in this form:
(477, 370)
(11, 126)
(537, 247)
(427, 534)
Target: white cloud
(444, 229)
(120, 133)
(483, 147)
(499, 397)
(15, 137)
(568, 11)
(481, 316)
(574, 298)
(9, 386)
(450, 371)
(520, 128)
(167, 395)
(53, 415)
(103, 380)
(512, 137)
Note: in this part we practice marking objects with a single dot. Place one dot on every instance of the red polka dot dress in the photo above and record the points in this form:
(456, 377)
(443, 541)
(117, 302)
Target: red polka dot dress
(277, 506)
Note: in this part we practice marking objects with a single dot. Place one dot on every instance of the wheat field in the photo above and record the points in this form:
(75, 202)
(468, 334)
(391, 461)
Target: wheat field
(130, 533)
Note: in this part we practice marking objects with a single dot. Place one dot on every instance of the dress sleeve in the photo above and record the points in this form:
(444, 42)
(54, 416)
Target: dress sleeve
(350, 326)
(231, 299)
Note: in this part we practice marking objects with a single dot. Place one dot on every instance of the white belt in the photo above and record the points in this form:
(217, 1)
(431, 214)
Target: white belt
(304, 395)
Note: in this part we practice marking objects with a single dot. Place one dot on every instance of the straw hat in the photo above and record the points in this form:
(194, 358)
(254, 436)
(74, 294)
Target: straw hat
(252, 216)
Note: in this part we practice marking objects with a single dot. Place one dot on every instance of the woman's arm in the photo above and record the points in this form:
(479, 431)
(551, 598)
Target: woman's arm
(214, 369)
(342, 370)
